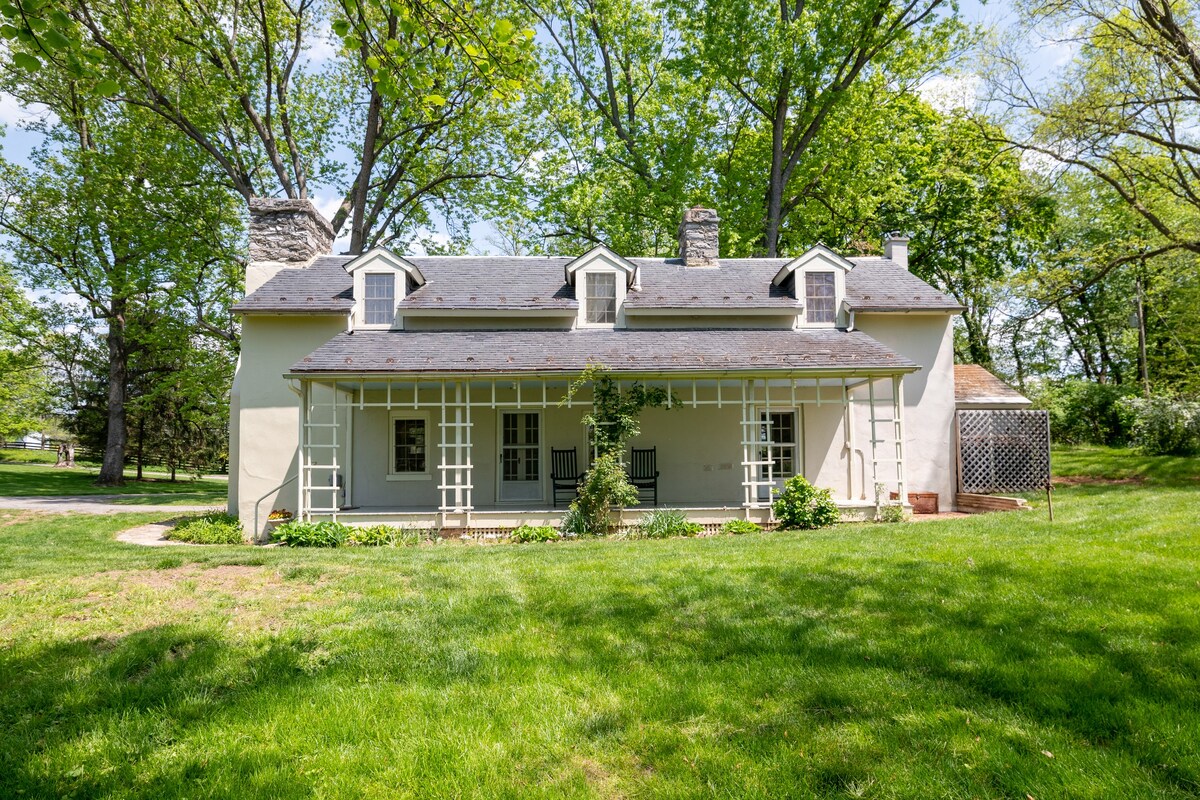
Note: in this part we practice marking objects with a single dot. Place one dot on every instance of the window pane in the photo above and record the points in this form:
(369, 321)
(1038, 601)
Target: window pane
(820, 296)
(600, 299)
(409, 445)
(379, 302)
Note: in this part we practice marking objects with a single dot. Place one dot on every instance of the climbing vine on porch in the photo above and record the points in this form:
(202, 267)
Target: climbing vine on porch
(615, 420)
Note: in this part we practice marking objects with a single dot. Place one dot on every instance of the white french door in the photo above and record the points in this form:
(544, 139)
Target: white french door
(520, 456)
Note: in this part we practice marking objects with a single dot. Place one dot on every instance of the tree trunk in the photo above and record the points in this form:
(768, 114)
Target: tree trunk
(141, 444)
(1143, 366)
(775, 181)
(358, 216)
(112, 470)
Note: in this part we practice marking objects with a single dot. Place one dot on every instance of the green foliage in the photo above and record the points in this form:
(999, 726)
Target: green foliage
(573, 523)
(605, 487)
(1082, 412)
(1165, 426)
(298, 533)
(614, 420)
(534, 533)
(385, 536)
(740, 526)
(216, 528)
(663, 523)
(24, 386)
(802, 506)
(891, 513)
(616, 412)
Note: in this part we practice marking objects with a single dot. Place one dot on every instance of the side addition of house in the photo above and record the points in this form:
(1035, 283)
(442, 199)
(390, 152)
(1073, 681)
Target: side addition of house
(433, 390)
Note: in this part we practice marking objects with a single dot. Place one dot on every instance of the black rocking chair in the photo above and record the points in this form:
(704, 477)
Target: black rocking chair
(643, 471)
(564, 473)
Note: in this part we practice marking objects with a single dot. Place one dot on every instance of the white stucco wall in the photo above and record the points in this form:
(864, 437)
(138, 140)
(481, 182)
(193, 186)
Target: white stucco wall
(265, 411)
(928, 340)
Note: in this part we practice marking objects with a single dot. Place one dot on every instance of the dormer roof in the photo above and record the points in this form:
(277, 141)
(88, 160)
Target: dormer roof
(601, 256)
(381, 257)
(817, 255)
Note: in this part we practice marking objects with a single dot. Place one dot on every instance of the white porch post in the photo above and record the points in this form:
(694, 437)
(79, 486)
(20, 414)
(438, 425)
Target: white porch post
(874, 445)
(898, 417)
(301, 452)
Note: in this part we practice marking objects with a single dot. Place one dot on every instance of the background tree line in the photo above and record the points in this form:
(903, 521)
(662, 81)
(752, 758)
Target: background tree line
(1059, 211)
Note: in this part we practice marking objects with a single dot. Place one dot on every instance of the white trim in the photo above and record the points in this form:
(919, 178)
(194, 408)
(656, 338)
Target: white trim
(506, 312)
(381, 261)
(581, 297)
(381, 256)
(711, 311)
(391, 473)
(839, 295)
(816, 253)
(601, 256)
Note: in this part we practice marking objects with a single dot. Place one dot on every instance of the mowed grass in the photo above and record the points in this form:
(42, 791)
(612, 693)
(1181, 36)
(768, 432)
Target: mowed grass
(39, 480)
(993, 656)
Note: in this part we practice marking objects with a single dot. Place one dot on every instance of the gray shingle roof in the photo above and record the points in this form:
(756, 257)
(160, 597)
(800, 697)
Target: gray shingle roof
(323, 287)
(503, 283)
(879, 284)
(637, 351)
(492, 282)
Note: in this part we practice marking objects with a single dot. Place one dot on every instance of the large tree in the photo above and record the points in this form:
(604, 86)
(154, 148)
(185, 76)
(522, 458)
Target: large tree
(125, 216)
(792, 66)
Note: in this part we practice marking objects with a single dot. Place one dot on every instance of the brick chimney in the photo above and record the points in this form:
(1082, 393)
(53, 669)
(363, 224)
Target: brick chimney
(699, 242)
(895, 247)
(284, 234)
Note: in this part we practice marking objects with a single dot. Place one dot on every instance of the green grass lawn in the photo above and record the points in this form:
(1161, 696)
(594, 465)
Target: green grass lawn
(38, 480)
(993, 656)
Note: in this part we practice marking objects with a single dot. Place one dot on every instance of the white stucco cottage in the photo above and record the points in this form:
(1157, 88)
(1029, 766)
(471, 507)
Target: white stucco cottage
(397, 388)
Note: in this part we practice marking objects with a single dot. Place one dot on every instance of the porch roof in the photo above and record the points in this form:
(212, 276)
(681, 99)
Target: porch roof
(621, 350)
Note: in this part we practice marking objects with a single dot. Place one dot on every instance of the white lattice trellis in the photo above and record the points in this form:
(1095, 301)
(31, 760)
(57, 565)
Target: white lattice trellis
(1003, 451)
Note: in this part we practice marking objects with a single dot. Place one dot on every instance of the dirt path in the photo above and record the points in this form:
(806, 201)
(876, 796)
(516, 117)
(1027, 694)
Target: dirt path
(96, 504)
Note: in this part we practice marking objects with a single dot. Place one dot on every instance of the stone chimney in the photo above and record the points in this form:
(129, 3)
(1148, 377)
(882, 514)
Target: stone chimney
(895, 247)
(284, 234)
(699, 242)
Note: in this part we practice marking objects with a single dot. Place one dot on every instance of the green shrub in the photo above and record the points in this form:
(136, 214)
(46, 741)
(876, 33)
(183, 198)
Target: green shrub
(803, 506)
(534, 533)
(385, 536)
(662, 523)
(605, 487)
(891, 512)
(1083, 412)
(739, 526)
(572, 523)
(215, 528)
(312, 534)
(1165, 426)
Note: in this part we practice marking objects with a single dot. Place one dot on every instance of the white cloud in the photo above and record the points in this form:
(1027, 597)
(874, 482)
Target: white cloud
(324, 47)
(12, 112)
(949, 92)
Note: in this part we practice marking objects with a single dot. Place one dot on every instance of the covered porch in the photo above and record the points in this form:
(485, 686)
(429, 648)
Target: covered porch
(473, 451)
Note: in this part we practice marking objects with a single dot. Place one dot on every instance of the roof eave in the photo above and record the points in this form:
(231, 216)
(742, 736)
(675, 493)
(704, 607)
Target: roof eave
(880, 370)
(454, 311)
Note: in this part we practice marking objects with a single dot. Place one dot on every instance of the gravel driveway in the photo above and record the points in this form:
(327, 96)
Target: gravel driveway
(96, 504)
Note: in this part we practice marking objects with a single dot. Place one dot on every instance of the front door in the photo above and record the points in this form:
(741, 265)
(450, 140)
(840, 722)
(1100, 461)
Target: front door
(520, 456)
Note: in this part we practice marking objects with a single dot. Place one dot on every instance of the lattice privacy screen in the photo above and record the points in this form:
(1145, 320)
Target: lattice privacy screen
(1003, 451)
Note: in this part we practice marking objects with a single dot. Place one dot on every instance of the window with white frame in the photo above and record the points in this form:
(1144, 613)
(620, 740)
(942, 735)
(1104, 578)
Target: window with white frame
(379, 299)
(820, 297)
(600, 298)
(408, 445)
(777, 432)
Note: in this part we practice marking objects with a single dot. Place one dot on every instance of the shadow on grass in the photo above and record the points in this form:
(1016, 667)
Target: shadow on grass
(135, 693)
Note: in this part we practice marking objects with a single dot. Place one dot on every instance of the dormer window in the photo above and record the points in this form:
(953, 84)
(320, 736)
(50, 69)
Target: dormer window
(601, 280)
(820, 296)
(382, 280)
(817, 279)
(600, 298)
(379, 299)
